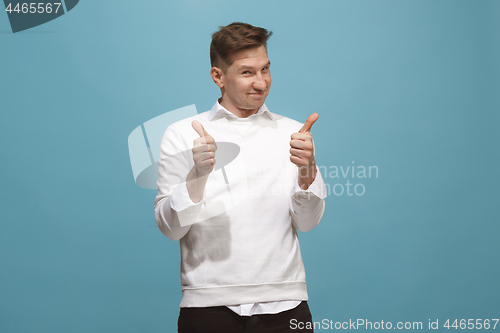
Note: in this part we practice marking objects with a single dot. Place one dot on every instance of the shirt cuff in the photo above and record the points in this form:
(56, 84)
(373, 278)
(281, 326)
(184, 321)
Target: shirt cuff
(317, 187)
(187, 210)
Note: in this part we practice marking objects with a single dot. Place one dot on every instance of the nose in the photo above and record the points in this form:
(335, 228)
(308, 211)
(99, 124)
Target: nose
(259, 82)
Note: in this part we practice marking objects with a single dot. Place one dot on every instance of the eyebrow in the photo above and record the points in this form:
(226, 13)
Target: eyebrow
(251, 67)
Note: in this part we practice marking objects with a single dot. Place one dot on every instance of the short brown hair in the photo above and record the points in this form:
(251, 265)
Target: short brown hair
(235, 37)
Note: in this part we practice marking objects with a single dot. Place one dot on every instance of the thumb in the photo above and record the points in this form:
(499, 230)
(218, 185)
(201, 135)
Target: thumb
(198, 127)
(309, 122)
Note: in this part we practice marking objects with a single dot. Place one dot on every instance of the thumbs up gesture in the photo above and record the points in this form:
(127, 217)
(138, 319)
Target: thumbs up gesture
(204, 149)
(302, 153)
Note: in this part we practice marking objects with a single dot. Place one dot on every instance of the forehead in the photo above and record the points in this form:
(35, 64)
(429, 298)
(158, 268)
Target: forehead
(254, 57)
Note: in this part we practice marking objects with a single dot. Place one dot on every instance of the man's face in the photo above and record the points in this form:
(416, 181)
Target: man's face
(246, 82)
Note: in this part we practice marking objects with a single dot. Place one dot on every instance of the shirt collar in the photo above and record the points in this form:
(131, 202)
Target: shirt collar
(220, 111)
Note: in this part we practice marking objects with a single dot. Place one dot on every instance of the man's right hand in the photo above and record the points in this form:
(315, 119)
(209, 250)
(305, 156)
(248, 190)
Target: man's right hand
(204, 149)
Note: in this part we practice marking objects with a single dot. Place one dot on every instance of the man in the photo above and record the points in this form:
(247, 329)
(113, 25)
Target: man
(241, 267)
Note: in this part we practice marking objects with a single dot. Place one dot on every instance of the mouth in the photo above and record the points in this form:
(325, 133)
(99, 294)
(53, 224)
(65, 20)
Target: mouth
(257, 93)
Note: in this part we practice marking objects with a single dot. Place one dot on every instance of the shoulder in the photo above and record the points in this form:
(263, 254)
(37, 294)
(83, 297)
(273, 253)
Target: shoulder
(182, 130)
(185, 123)
(287, 123)
(183, 127)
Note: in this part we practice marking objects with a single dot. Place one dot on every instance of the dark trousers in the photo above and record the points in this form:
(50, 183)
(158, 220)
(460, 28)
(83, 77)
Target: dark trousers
(220, 319)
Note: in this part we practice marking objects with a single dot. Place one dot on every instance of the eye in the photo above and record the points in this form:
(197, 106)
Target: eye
(246, 72)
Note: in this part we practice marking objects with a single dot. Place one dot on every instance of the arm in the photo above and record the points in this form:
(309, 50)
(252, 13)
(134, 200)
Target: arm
(180, 189)
(173, 167)
(307, 199)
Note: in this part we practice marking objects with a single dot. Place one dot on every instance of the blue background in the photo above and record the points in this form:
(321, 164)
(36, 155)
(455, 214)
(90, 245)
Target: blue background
(412, 87)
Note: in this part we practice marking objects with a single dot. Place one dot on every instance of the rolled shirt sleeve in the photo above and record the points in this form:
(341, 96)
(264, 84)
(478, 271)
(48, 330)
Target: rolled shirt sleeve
(307, 206)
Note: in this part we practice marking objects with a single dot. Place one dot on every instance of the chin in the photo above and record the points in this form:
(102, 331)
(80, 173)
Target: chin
(256, 103)
(256, 106)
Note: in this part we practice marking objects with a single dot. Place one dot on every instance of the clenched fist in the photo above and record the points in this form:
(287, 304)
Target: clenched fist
(204, 149)
(302, 152)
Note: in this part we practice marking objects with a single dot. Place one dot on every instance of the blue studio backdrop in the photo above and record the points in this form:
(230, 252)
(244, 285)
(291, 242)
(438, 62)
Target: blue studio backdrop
(408, 91)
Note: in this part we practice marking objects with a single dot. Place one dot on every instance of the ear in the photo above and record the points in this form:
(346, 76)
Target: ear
(217, 75)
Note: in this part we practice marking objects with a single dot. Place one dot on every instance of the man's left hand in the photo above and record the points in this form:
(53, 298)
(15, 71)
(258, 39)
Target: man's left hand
(302, 152)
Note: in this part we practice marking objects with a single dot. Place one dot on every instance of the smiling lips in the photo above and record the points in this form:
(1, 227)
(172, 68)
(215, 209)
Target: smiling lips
(257, 93)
